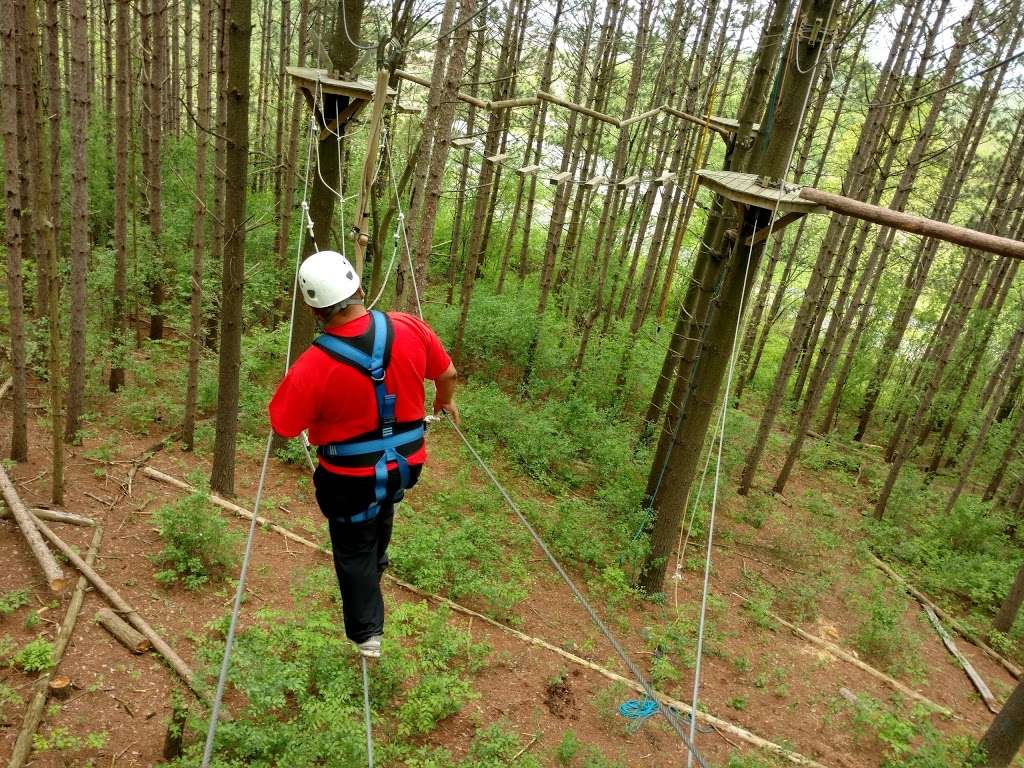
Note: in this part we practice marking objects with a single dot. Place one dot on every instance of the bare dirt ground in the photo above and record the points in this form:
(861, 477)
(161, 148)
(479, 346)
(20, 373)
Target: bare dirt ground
(768, 681)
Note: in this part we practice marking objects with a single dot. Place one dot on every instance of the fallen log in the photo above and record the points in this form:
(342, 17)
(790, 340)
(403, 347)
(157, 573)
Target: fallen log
(122, 631)
(55, 516)
(5, 387)
(972, 673)
(127, 612)
(41, 689)
(54, 574)
(155, 474)
(722, 725)
(836, 651)
(923, 599)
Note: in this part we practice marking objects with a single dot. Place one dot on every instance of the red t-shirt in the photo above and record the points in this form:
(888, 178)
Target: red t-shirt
(335, 402)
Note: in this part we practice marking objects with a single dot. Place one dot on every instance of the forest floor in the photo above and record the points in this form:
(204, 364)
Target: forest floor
(801, 557)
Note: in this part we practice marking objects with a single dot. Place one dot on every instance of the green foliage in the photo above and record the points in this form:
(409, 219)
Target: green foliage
(881, 635)
(36, 656)
(567, 748)
(912, 742)
(61, 739)
(198, 544)
(12, 601)
(299, 679)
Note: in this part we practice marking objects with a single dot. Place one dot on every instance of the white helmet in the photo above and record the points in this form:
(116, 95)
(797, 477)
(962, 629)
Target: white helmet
(327, 278)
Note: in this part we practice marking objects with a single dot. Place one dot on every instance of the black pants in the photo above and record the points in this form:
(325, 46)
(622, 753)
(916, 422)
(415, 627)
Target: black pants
(360, 549)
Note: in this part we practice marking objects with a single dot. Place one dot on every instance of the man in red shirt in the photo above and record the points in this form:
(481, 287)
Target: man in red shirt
(358, 390)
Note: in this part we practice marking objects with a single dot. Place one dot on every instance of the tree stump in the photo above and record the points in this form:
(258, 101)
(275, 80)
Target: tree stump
(60, 687)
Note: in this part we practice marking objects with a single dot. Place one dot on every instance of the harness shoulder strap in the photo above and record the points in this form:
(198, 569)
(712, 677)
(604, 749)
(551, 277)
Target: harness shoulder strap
(371, 364)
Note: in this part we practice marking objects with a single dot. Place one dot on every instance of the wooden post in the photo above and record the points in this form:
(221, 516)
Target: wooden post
(360, 225)
(919, 225)
(54, 575)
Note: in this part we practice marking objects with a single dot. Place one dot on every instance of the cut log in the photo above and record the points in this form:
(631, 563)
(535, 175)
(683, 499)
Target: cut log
(54, 574)
(834, 650)
(122, 631)
(60, 687)
(722, 725)
(127, 612)
(972, 673)
(560, 178)
(55, 516)
(41, 689)
(923, 599)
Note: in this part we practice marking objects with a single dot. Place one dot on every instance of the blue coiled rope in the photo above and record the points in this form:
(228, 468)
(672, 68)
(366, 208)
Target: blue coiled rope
(638, 711)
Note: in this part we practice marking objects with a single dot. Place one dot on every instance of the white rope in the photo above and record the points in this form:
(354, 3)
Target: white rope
(726, 394)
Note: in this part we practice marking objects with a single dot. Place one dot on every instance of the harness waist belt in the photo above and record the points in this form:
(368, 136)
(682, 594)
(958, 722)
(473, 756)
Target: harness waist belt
(362, 447)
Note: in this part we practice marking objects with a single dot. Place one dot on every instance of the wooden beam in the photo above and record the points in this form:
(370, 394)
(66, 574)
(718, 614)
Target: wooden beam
(918, 225)
(529, 101)
(551, 99)
(779, 224)
(463, 142)
(361, 224)
(699, 121)
(560, 178)
(351, 110)
(596, 181)
(629, 181)
(666, 177)
(497, 158)
(528, 170)
(54, 574)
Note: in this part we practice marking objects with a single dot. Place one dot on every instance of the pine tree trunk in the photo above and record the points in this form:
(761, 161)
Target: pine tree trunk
(119, 322)
(239, 37)
(79, 91)
(13, 223)
(160, 271)
(690, 429)
(195, 327)
(1002, 740)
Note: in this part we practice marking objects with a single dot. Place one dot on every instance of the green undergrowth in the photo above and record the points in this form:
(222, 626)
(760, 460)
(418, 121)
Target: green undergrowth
(906, 740)
(966, 559)
(295, 687)
(198, 544)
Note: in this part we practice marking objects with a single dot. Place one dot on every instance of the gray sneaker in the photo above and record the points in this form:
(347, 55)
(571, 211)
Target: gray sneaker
(370, 648)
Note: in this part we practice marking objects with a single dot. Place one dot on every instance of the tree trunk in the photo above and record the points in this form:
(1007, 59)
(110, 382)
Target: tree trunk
(239, 37)
(690, 429)
(13, 223)
(160, 271)
(79, 93)
(119, 322)
(195, 327)
(1003, 738)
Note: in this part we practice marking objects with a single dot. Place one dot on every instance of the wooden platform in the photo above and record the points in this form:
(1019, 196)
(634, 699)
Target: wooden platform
(729, 124)
(338, 101)
(749, 189)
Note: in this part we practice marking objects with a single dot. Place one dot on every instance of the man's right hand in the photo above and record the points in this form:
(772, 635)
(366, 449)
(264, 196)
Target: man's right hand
(448, 407)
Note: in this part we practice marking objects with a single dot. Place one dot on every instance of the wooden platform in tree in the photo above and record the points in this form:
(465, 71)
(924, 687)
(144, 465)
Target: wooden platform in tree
(728, 123)
(333, 101)
(749, 189)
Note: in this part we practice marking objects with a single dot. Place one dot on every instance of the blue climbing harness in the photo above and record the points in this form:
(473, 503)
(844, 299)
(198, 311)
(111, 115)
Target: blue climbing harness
(383, 448)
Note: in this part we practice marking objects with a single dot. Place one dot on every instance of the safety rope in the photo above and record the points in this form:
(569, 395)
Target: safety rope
(622, 653)
(639, 711)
